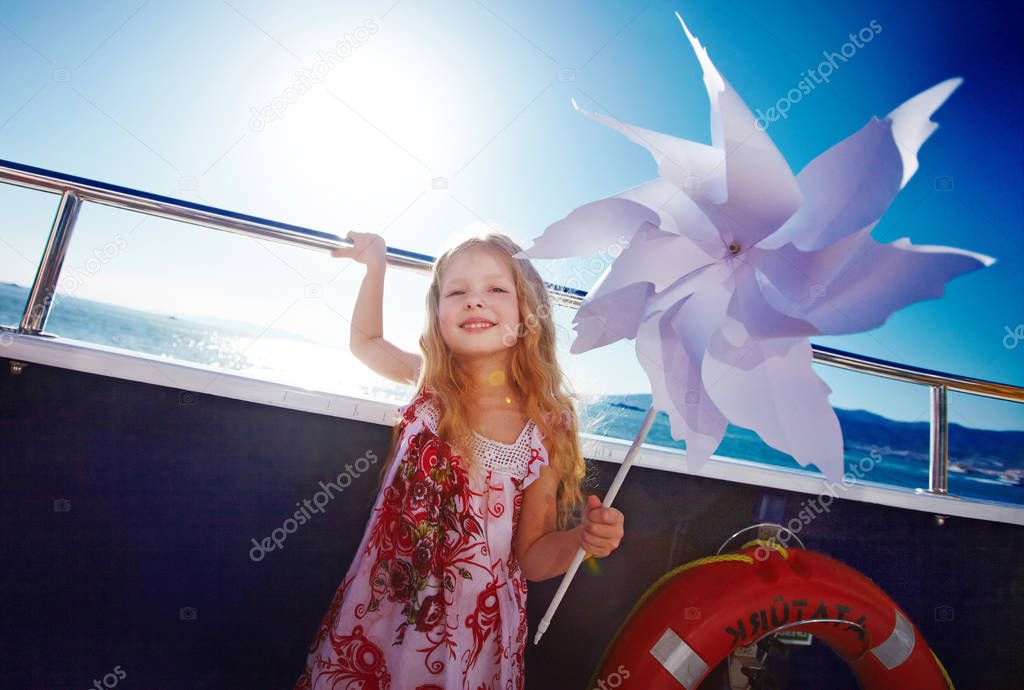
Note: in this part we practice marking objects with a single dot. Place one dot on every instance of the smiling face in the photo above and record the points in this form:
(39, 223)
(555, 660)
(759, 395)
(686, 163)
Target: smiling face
(478, 286)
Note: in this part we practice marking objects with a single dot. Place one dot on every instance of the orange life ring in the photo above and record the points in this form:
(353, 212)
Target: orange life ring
(695, 615)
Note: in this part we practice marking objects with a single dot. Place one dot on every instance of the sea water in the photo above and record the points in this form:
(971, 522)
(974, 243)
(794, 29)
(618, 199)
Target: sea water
(877, 449)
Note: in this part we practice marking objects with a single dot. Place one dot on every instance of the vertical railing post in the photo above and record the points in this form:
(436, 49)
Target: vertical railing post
(37, 308)
(938, 466)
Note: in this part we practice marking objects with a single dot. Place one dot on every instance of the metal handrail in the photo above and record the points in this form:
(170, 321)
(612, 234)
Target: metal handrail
(75, 190)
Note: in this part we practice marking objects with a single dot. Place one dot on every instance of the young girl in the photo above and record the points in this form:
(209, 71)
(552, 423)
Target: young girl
(482, 480)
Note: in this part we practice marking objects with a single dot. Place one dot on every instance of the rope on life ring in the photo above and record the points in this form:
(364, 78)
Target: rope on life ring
(696, 614)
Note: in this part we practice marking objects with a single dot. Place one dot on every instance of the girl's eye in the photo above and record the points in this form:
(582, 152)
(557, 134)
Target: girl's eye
(459, 292)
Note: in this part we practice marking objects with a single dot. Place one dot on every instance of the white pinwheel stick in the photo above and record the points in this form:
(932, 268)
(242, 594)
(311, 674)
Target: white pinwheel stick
(608, 498)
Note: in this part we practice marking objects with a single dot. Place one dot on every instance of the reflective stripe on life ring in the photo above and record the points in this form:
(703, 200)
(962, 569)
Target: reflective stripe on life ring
(679, 659)
(897, 647)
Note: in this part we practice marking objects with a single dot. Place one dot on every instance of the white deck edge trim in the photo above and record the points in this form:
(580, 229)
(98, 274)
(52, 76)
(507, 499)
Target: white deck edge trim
(135, 366)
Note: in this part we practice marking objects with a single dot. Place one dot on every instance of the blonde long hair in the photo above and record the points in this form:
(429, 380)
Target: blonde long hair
(533, 372)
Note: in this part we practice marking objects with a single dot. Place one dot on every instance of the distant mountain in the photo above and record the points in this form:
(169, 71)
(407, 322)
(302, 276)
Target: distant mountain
(977, 449)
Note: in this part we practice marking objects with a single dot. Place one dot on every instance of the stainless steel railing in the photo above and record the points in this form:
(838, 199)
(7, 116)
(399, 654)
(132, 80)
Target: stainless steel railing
(76, 190)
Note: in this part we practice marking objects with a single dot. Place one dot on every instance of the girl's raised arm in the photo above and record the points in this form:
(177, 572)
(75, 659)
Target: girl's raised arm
(366, 340)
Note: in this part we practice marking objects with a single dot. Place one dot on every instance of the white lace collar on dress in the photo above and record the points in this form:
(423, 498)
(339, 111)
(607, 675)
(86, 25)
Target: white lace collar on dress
(513, 458)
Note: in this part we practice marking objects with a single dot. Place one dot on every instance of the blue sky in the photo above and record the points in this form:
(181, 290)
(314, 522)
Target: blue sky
(165, 97)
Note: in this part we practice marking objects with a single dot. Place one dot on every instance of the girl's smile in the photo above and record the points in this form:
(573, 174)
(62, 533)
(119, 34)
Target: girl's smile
(476, 324)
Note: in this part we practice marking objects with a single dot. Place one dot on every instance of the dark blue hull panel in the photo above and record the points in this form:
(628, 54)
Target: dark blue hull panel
(147, 572)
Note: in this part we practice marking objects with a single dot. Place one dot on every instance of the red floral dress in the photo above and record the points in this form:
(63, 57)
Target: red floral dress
(434, 598)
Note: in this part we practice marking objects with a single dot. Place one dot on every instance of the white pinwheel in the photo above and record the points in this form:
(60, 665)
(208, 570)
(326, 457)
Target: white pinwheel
(732, 262)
